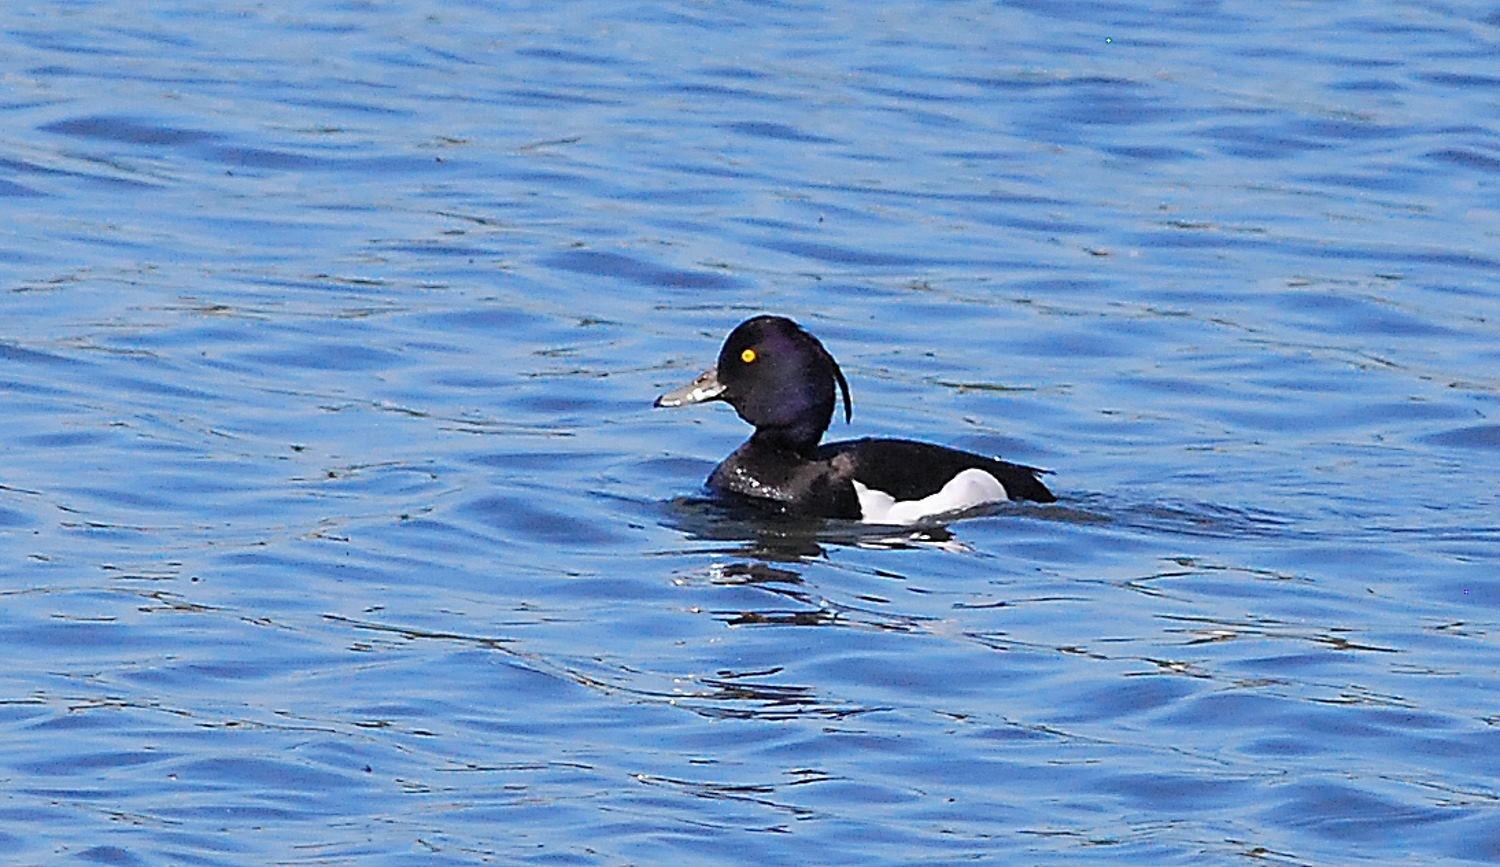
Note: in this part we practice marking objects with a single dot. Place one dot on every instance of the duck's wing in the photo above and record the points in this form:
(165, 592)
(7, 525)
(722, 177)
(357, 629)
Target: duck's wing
(907, 470)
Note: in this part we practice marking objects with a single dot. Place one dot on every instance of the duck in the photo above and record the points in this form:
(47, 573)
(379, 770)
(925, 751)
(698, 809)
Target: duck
(780, 379)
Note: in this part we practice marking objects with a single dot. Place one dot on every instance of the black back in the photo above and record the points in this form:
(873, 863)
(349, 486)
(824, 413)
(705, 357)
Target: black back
(910, 470)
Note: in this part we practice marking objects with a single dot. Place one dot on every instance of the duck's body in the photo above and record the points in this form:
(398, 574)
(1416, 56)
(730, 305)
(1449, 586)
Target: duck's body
(781, 379)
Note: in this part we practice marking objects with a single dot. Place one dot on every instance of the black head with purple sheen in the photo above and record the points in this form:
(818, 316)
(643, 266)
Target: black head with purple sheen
(777, 377)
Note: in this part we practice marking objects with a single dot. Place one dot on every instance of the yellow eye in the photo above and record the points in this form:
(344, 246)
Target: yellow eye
(747, 356)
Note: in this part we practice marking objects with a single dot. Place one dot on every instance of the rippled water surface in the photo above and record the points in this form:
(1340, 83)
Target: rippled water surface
(339, 526)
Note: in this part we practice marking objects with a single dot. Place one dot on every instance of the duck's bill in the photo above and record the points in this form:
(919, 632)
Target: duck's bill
(705, 387)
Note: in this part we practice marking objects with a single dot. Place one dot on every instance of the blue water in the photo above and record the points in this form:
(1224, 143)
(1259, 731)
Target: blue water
(339, 528)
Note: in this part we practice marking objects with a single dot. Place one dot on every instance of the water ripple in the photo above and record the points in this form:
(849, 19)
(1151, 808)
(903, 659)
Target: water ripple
(334, 500)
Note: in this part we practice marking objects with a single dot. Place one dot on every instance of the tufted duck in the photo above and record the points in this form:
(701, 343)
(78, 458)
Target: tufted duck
(780, 379)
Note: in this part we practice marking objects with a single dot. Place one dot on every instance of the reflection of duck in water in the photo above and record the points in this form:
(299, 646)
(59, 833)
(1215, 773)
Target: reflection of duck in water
(781, 379)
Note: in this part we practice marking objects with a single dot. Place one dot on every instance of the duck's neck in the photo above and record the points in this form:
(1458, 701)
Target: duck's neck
(801, 440)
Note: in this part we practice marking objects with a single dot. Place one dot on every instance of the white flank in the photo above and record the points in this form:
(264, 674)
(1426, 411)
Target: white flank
(970, 488)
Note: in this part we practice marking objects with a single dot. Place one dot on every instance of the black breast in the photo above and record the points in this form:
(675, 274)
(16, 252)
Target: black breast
(787, 482)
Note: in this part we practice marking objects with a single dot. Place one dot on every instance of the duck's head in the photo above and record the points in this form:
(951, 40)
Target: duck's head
(777, 377)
